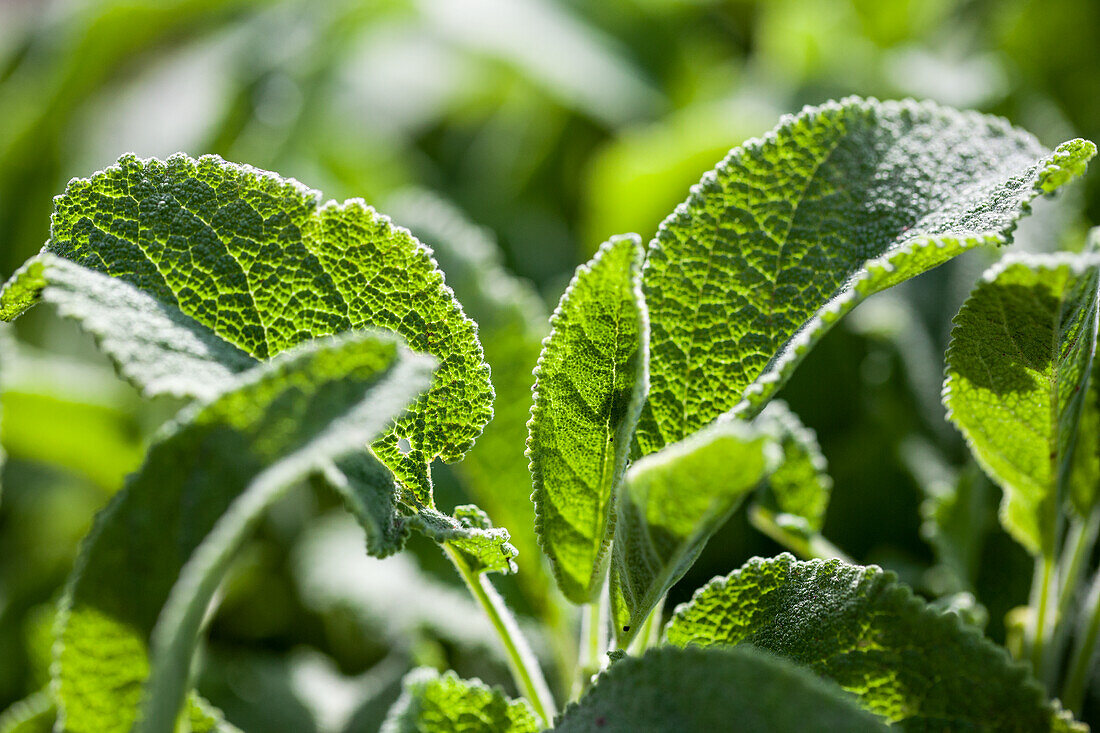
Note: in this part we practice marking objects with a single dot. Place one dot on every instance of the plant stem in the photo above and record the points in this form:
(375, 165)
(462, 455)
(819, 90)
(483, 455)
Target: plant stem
(1078, 549)
(1073, 691)
(593, 643)
(808, 548)
(1041, 591)
(521, 660)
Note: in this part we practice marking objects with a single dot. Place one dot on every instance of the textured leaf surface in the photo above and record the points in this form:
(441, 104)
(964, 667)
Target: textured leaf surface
(265, 264)
(791, 231)
(34, 714)
(147, 572)
(796, 494)
(1017, 371)
(670, 505)
(670, 690)
(485, 548)
(917, 667)
(589, 386)
(512, 321)
(153, 345)
(434, 703)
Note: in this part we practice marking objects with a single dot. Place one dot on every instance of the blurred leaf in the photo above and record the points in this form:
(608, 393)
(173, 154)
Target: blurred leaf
(1019, 359)
(590, 383)
(261, 261)
(225, 461)
(917, 667)
(796, 493)
(670, 505)
(672, 689)
(837, 203)
(434, 703)
(34, 714)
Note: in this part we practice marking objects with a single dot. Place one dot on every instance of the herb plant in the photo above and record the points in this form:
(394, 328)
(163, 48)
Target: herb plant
(316, 342)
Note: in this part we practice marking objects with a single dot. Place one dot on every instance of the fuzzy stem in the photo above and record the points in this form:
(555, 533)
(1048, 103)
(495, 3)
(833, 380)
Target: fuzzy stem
(521, 660)
(651, 629)
(1042, 588)
(593, 643)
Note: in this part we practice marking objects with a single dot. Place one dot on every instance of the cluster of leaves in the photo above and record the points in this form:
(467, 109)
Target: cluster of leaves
(319, 342)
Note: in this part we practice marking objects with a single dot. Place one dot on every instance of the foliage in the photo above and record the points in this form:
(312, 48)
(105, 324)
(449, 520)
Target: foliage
(318, 344)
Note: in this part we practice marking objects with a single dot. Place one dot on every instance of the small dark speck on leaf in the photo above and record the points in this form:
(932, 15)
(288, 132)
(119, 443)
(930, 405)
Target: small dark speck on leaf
(600, 721)
(626, 628)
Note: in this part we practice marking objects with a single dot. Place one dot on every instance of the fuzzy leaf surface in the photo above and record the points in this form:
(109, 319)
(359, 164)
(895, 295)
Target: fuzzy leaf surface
(791, 231)
(670, 505)
(152, 343)
(670, 689)
(485, 548)
(589, 386)
(1017, 371)
(152, 562)
(262, 262)
(797, 492)
(919, 668)
(435, 703)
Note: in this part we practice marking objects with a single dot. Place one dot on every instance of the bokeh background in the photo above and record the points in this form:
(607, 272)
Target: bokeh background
(514, 136)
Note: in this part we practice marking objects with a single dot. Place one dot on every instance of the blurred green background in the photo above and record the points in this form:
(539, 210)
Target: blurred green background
(551, 125)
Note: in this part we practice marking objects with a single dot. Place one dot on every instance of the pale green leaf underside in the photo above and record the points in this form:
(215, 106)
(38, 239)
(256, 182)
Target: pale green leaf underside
(153, 345)
(796, 494)
(670, 505)
(1017, 368)
(434, 703)
(669, 690)
(919, 668)
(265, 264)
(791, 231)
(589, 386)
(151, 564)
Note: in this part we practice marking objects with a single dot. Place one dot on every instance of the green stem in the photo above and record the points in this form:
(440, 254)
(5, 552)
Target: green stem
(1042, 589)
(1078, 549)
(521, 660)
(593, 643)
(808, 548)
(1073, 692)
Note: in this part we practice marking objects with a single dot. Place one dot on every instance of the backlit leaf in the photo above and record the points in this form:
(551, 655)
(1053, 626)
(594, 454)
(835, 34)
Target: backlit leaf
(435, 703)
(792, 231)
(589, 385)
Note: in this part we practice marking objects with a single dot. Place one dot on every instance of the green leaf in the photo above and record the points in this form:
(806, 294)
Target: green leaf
(150, 566)
(434, 703)
(792, 231)
(589, 386)
(265, 264)
(670, 505)
(797, 491)
(744, 689)
(512, 321)
(485, 548)
(917, 667)
(33, 714)
(1017, 371)
(6, 346)
(152, 344)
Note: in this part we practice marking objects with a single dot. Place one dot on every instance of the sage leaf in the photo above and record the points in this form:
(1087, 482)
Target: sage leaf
(919, 668)
(512, 322)
(152, 343)
(148, 570)
(790, 232)
(796, 493)
(589, 386)
(435, 703)
(33, 714)
(262, 262)
(1017, 370)
(744, 689)
(485, 548)
(670, 505)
